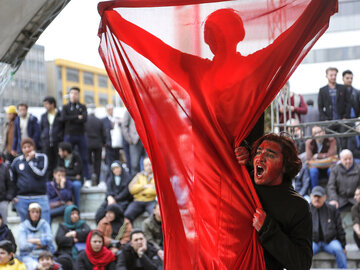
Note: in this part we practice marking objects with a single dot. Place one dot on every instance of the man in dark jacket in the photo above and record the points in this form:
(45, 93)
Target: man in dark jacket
(138, 254)
(28, 172)
(328, 232)
(153, 230)
(96, 135)
(52, 132)
(284, 223)
(71, 161)
(343, 181)
(353, 93)
(74, 116)
(7, 188)
(25, 125)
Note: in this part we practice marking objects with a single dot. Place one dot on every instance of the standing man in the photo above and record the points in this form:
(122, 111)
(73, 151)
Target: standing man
(8, 135)
(136, 147)
(333, 99)
(25, 126)
(29, 174)
(353, 93)
(328, 232)
(112, 153)
(96, 135)
(284, 223)
(52, 132)
(74, 115)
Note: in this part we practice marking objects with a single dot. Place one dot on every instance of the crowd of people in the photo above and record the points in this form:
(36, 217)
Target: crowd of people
(44, 165)
(330, 176)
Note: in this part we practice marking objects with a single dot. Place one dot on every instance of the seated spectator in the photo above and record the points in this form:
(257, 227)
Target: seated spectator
(71, 235)
(46, 262)
(7, 259)
(153, 229)
(343, 181)
(302, 183)
(355, 214)
(59, 191)
(114, 226)
(96, 255)
(297, 134)
(29, 175)
(35, 236)
(117, 190)
(353, 144)
(328, 232)
(6, 234)
(138, 254)
(142, 187)
(320, 155)
(71, 161)
(7, 188)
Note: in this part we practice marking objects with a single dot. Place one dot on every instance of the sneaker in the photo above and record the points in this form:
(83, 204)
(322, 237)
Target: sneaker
(87, 184)
(102, 185)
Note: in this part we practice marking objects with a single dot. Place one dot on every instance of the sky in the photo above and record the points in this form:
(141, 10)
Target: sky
(73, 34)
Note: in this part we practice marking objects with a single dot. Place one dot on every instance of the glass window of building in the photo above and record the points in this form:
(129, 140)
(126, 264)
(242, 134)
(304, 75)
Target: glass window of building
(102, 81)
(88, 78)
(88, 97)
(103, 99)
(72, 75)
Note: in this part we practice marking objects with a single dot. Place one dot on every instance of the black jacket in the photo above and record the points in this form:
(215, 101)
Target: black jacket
(50, 136)
(75, 167)
(129, 260)
(70, 116)
(108, 127)
(121, 192)
(355, 100)
(83, 263)
(286, 232)
(325, 104)
(6, 234)
(331, 224)
(65, 244)
(95, 132)
(7, 186)
(352, 146)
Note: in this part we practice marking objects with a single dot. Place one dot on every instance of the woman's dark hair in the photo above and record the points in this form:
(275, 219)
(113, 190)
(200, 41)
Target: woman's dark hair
(291, 161)
(98, 233)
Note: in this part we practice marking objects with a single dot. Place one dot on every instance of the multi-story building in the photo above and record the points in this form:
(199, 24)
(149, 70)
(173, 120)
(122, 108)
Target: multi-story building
(28, 84)
(93, 82)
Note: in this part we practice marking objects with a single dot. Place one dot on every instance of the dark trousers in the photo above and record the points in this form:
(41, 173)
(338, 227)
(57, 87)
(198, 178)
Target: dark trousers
(52, 154)
(137, 151)
(95, 162)
(136, 208)
(81, 141)
(357, 240)
(111, 154)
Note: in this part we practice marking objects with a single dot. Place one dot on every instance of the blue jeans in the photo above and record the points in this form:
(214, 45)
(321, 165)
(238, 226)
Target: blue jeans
(136, 208)
(82, 142)
(314, 176)
(76, 185)
(57, 212)
(333, 248)
(24, 201)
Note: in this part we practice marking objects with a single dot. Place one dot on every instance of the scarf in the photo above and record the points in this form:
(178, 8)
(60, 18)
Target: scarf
(67, 218)
(100, 259)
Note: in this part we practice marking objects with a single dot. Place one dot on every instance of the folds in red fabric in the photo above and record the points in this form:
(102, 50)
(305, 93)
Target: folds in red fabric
(195, 76)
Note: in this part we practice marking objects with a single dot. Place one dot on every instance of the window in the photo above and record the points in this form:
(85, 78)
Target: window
(72, 75)
(103, 99)
(102, 81)
(88, 78)
(88, 97)
(332, 54)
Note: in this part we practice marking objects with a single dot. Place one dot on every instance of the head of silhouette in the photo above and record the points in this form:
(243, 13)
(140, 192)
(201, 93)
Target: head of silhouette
(223, 30)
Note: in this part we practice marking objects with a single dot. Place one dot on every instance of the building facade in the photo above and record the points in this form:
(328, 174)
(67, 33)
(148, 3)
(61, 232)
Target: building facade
(93, 82)
(28, 85)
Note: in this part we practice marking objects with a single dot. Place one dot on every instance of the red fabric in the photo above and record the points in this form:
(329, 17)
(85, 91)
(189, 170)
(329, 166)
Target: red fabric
(191, 112)
(100, 259)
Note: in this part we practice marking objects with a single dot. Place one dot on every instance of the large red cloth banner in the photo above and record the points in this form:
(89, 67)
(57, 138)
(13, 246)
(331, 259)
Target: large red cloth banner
(192, 106)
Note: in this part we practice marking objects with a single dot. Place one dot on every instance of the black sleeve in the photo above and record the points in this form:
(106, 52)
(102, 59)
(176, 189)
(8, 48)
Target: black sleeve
(81, 235)
(322, 115)
(121, 261)
(61, 240)
(340, 233)
(66, 117)
(77, 168)
(293, 250)
(80, 262)
(10, 185)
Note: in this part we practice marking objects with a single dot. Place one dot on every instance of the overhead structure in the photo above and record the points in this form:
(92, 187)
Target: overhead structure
(22, 22)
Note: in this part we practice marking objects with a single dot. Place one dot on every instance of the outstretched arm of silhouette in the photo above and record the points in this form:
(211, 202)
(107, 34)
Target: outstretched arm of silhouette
(172, 62)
